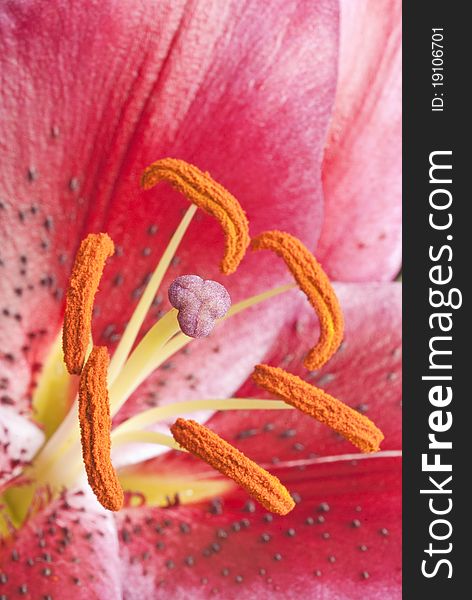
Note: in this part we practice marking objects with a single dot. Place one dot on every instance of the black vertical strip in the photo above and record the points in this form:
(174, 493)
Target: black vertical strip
(426, 131)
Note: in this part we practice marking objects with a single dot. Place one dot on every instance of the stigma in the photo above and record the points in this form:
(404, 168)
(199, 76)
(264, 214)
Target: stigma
(200, 303)
(198, 306)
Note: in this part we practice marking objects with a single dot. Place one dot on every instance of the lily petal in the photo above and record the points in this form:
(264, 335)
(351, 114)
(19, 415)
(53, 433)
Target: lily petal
(69, 550)
(361, 237)
(342, 540)
(19, 441)
(244, 91)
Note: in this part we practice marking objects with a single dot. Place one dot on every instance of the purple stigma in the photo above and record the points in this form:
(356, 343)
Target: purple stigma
(199, 302)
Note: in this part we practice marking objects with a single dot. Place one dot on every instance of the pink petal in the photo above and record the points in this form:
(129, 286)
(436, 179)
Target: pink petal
(70, 550)
(342, 540)
(244, 92)
(361, 237)
(19, 441)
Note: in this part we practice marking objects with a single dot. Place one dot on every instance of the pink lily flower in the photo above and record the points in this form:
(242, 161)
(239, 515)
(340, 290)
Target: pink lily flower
(92, 93)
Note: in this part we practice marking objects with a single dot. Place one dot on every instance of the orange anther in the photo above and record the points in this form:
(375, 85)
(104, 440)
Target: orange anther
(95, 428)
(203, 191)
(209, 447)
(313, 281)
(346, 421)
(83, 284)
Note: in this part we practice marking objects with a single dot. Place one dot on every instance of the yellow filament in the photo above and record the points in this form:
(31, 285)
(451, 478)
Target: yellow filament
(160, 413)
(144, 437)
(131, 332)
(141, 362)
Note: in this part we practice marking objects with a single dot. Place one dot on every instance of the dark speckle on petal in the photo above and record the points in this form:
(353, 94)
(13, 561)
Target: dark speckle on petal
(356, 523)
(277, 557)
(291, 532)
(74, 184)
(32, 174)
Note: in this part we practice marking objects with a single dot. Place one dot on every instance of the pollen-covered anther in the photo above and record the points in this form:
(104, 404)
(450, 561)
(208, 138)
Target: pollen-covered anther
(314, 282)
(349, 423)
(95, 428)
(203, 191)
(83, 284)
(199, 302)
(209, 447)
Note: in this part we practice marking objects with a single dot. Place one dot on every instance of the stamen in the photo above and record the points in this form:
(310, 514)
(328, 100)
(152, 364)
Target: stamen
(83, 284)
(346, 421)
(199, 302)
(226, 459)
(95, 426)
(313, 281)
(210, 196)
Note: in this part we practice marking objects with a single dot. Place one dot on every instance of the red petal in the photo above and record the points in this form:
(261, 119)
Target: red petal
(342, 540)
(70, 550)
(361, 237)
(244, 92)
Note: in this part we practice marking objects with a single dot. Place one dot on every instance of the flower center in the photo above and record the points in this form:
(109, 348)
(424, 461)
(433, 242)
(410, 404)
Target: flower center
(104, 385)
